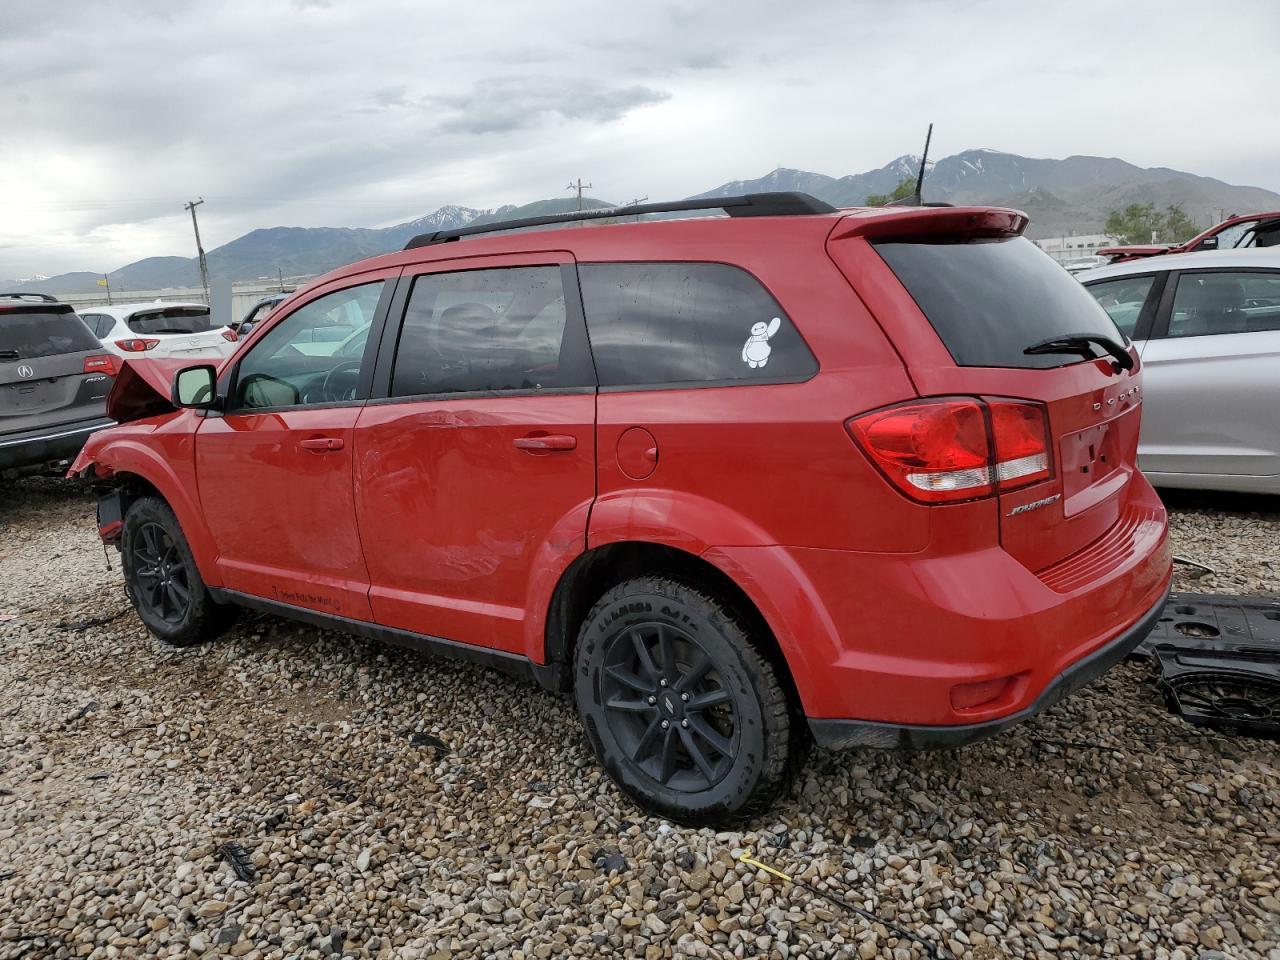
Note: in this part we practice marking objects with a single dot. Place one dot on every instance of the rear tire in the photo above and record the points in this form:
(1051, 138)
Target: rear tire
(161, 576)
(684, 712)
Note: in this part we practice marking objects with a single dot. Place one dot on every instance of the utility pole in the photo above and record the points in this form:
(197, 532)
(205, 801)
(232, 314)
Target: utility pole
(635, 202)
(280, 277)
(105, 282)
(204, 265)
(579, 186)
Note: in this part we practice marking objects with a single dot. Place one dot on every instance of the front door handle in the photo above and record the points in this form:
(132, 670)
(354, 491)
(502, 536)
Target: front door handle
(321, 444)
(546, 443)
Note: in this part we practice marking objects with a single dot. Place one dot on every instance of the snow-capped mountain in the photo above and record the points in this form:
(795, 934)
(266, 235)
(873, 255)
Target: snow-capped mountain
(1072, 195)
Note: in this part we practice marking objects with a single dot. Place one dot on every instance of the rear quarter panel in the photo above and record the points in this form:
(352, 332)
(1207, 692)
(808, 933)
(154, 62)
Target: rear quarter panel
(761, 463)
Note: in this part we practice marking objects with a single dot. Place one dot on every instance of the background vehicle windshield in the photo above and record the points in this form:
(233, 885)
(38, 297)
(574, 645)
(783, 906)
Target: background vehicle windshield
(171, 320)
(25, 334)
(989, 300)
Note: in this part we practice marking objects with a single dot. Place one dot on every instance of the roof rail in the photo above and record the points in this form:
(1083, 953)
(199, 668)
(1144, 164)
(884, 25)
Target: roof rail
(783, 204)
(39, 296)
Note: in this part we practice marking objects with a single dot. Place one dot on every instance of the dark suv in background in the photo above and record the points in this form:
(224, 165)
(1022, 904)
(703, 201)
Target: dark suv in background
(54, 380)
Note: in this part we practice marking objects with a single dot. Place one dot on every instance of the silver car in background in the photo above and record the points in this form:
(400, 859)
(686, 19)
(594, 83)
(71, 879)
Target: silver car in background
(1208, 328)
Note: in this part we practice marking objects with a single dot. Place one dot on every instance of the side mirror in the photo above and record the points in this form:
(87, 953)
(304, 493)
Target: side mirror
(245, 328)
(195, 387)
(1208, 243)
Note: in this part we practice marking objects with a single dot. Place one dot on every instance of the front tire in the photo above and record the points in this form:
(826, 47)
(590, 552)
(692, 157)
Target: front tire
(166, 588)
(684, 712)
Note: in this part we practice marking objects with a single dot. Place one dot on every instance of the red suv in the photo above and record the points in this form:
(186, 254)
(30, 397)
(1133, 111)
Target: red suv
(862, 477)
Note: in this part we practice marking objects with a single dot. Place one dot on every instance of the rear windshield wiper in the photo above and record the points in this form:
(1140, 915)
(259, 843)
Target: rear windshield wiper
(1083, 344)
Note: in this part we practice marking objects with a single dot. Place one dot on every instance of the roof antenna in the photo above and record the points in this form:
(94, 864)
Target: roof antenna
(924, 158)
(915, 199)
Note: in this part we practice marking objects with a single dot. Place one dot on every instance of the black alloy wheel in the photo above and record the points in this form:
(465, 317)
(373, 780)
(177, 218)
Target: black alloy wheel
(162, 578)
(683, 704)
(668, 707)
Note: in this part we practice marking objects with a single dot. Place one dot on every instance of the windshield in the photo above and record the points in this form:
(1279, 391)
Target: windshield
(25, 334)
(171, 320)
(988, 300)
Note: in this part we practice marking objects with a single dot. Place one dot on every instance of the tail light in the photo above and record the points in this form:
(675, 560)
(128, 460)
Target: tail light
(101, 364)
(137, 344)
(945, 451)
(229, 335)
(1020, 435)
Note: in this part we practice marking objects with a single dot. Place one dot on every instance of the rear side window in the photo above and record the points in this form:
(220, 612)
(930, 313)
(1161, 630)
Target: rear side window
(99, 323)
(1123, 299)
(25, 334)
(171, 320)
(486, 330)
(1212, 303)
(688, 324)
(988, 300)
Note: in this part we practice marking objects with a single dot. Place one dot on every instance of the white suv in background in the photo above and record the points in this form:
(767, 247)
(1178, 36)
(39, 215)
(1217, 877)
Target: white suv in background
(179, 330)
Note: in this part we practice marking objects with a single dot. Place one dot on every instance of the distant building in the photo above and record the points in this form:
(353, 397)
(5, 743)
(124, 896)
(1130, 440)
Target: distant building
(1065, 249)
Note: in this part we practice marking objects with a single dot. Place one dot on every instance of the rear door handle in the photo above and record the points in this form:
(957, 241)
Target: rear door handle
(321, 444)
(547, 444)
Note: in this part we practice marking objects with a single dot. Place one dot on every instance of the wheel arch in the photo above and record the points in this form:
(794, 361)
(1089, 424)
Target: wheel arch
(136, 471)
(595, 571)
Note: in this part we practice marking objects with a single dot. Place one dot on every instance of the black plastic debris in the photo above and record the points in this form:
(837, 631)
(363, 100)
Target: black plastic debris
(420, 739)
(611, 861)
(1219, 661)
(239, 861)
(1203, 621)
(1233, 691)
(79, 626)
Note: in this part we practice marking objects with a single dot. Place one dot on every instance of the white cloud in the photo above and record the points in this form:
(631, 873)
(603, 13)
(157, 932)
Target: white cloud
(368, 113)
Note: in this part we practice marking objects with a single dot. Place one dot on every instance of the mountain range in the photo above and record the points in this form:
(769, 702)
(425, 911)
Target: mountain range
(1068, 196)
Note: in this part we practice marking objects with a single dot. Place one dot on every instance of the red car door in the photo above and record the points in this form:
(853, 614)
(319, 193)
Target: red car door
(476, 470)
(274, 469)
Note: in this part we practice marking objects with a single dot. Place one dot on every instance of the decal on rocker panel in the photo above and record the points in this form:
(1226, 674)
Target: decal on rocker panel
(755, 352)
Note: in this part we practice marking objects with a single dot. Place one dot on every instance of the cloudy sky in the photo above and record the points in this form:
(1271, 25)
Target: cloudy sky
(368, 113)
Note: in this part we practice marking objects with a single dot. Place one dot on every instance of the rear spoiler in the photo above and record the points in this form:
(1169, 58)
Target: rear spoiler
(39, 296)
(932, 223)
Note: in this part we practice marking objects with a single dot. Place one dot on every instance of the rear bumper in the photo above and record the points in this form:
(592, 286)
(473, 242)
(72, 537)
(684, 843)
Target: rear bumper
(954, 643)
(47, 446)
(844, 734)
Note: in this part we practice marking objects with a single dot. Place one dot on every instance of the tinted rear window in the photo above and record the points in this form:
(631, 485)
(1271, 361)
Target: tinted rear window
(41, 333)
(171, 320)
(688, 324)
(988, 300)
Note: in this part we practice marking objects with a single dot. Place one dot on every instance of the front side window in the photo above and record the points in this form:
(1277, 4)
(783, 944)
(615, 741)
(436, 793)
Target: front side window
(485, 330)
(1208, 303)
(307, 358)
(1123, 299)
(688, 324)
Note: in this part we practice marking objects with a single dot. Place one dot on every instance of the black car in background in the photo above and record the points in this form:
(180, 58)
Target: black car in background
(54, 380)
(259, 311)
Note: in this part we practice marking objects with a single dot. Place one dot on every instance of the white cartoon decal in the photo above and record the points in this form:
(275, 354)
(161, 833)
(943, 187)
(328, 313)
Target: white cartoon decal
(755, 352)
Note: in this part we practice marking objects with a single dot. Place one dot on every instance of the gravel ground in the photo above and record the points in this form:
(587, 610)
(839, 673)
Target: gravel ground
(389, 805)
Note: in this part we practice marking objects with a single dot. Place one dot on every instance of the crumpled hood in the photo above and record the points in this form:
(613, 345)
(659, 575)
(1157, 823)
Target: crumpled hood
(142, 389)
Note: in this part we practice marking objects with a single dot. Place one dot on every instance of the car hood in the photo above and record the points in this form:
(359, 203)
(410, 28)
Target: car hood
(142, 389)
